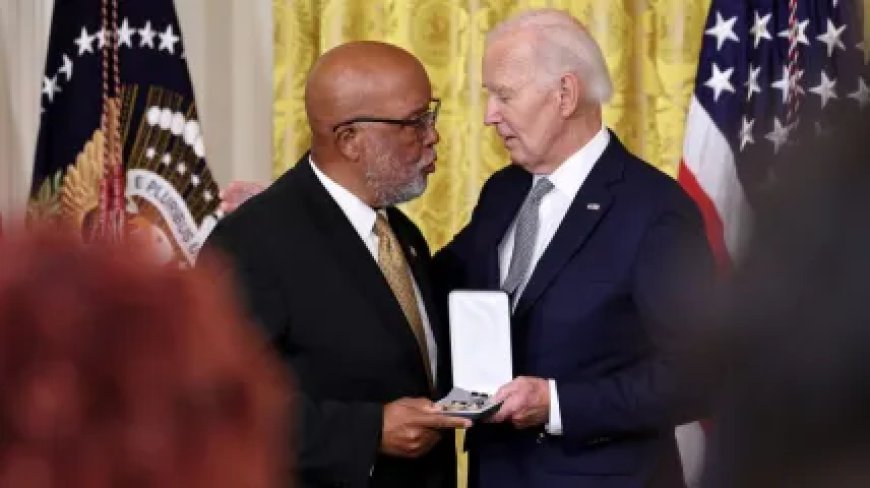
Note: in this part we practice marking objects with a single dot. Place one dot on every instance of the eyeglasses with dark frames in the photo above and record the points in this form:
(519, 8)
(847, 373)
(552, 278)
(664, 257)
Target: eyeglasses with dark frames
(422, 122)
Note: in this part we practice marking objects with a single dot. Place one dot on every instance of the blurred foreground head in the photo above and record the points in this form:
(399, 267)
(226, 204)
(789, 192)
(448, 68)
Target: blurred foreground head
(797, 409)
(116, 373)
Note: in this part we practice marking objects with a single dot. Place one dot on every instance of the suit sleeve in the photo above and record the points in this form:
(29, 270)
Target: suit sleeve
(452, 262)
(449, 266)
(673, 272)
(336, 443)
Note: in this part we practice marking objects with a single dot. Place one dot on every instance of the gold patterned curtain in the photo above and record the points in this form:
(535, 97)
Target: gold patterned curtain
(651, 48)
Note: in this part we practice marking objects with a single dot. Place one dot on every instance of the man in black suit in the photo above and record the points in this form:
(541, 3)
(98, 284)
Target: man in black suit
(339, 281)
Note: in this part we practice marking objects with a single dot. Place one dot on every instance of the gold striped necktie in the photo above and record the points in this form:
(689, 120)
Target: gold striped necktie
(392, 262)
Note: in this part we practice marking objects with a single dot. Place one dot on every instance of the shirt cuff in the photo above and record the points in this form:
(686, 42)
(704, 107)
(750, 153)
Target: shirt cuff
(554, 426)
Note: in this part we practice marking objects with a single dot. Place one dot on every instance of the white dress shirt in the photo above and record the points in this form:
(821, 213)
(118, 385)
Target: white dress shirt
(362, 218)
(567, 180)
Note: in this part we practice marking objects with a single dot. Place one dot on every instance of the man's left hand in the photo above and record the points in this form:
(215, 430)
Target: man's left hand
(526, 402)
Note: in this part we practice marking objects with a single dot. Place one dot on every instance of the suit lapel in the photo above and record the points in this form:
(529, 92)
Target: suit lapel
(589, 206)
(355, 258)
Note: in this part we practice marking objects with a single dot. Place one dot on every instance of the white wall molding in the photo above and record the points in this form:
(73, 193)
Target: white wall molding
(24, 26)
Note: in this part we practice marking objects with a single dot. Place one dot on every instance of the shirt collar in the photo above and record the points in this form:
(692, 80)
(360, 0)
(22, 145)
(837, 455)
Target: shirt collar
(570, 175)
(361, 216)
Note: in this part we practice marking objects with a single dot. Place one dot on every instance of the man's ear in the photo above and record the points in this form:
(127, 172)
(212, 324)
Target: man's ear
(570, 94)
(347, 139)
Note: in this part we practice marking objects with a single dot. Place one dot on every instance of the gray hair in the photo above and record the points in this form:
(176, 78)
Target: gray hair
(562, 45)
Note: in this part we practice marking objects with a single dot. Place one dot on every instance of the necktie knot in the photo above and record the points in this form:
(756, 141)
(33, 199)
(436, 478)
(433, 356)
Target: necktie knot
(382, 226)
(540, 190)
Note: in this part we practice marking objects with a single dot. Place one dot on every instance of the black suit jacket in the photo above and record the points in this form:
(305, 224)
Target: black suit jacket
(313, 287)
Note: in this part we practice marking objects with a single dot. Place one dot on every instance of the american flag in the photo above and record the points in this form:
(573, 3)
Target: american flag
(770, 72)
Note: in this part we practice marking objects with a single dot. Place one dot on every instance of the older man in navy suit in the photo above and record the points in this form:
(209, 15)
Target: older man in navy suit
(597, 250)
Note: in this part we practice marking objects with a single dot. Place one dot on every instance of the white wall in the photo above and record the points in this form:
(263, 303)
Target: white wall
(229, 53)
(24, 28)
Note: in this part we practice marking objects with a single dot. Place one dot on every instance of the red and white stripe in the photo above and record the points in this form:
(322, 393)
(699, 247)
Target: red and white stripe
(709, 174)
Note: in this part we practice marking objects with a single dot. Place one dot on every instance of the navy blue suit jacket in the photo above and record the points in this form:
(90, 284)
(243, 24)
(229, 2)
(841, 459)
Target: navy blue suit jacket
(604, 314)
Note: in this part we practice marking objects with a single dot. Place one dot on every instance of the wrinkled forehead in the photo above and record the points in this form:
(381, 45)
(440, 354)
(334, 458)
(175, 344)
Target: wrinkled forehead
(508, 61)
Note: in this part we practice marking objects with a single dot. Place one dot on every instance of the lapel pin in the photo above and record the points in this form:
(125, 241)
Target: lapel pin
(593, 206)
(412, 251)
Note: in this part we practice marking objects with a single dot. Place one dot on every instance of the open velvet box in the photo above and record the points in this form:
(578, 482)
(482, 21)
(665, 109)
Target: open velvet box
(480, 345)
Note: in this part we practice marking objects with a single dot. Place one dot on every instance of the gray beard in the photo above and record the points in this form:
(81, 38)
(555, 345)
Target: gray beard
(381, 179)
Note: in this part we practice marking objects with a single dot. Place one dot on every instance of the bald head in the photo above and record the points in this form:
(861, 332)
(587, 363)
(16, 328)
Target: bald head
(362, 78)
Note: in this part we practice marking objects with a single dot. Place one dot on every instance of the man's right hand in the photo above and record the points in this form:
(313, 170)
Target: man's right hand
(411, 426)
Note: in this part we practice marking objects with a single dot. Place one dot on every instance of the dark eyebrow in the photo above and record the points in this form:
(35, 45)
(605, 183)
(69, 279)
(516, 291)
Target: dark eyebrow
(499, 90)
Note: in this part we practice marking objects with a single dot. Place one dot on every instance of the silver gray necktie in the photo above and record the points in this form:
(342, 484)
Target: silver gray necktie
(525, 236)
